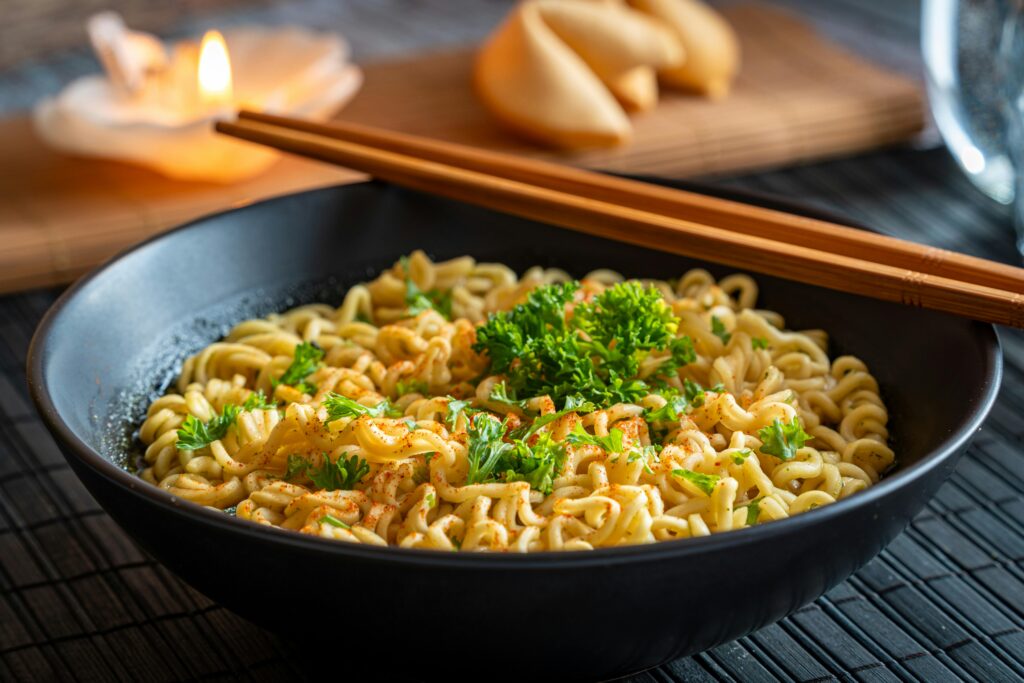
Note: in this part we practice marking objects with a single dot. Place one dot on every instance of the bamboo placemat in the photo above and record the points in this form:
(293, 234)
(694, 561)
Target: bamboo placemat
(944, 602)
(798, 98)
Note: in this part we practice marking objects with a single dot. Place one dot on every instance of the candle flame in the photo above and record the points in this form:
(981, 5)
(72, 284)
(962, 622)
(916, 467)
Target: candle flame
(215, 85)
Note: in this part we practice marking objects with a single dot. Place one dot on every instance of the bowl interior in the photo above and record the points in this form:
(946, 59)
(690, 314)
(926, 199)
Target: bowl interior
(120, 339)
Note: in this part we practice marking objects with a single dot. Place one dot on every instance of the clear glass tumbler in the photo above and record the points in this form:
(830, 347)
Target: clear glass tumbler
(1010, 74)
(960, 43)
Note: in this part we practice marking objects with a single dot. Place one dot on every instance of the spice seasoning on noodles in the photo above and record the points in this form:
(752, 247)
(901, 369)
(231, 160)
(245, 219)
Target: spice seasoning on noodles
(455, 406)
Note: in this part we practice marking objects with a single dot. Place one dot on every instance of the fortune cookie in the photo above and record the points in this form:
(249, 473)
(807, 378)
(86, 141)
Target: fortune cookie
(712, 50)
(565, 71)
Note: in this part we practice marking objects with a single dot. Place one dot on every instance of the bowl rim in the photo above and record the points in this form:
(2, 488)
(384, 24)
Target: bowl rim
(132, 485)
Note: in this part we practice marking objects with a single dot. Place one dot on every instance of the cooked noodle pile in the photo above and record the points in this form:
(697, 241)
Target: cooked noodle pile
(411, 415)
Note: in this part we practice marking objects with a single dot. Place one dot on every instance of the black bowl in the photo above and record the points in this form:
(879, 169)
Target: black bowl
(115, 340)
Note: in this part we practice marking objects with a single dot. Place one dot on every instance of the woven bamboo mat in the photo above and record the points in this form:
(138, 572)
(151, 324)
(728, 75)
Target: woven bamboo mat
(944, 602)
(798, 98)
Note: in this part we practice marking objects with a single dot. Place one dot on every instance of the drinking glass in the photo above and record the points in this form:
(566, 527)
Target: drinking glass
(974, 70)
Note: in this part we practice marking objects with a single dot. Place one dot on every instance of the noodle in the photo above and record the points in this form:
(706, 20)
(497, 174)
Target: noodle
(382, 421)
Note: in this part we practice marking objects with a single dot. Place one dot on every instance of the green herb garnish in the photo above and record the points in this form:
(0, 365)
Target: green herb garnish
(593, 354)
(739, 456)
(341, 475)
(334, 521)
(296, 466)
(753, 511)
(758, 342)
(674, 407)
(258, 401)
(783, 440)
(193, 434)
(678, 404)
(339, 406)
(491, 458)
(611, 443)
(410, 386)
(537, 464)
(718, 329)
(418, 301)
(646, 454)
(487, 447)
(455, 408)
(573, 404)
(305, 360)
(705, 482)
(499, 394)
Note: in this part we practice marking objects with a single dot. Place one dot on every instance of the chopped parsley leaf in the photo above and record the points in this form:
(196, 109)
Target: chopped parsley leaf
(646, 454)
(455, 408)
(339, 406)
(341, 475)
(491, 458)
(418, 301)
(705, 482)
(573, 404)
(499, 394)
(783, 440)
(718, 329)
(739, 456)
(296, 466)
(678, 404)
(753, 511)
(758, 343)
(537, 464)
(410, 386)
(258, 401)
(611, 443)
(487, 447)
(305, 360)
(674, 407)
(193, 434)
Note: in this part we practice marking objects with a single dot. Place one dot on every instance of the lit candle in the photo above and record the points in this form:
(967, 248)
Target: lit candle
(214, 72)
(155, 106)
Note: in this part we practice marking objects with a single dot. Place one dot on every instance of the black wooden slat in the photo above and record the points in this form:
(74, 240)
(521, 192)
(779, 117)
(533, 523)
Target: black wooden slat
(790, 654)
(741, 665)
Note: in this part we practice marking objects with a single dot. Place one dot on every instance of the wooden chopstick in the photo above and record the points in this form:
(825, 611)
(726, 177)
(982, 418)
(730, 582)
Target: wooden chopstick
(627, 224)
(691, 206)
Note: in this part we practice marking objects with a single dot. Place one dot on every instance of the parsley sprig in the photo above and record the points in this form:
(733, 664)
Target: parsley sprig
(492, 458)
(594, 353)
(455, 408)
(257, 400)
(410, 386)
(705, 482)
(487, 447)
(340, 475)
(339, 406)
(679, 404)
(581, 437)
(305, 361)
(783, 440)
(718, 329)
(194, 434)
(418, 300)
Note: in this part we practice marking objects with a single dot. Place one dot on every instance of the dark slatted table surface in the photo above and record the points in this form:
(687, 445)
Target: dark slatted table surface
(945, 601)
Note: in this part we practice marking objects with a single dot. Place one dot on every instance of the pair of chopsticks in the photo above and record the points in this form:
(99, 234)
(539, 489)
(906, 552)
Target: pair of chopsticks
(686, 223)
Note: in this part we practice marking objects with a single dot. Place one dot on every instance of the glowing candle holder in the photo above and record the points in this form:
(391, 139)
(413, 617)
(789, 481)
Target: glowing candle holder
(156, 109)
